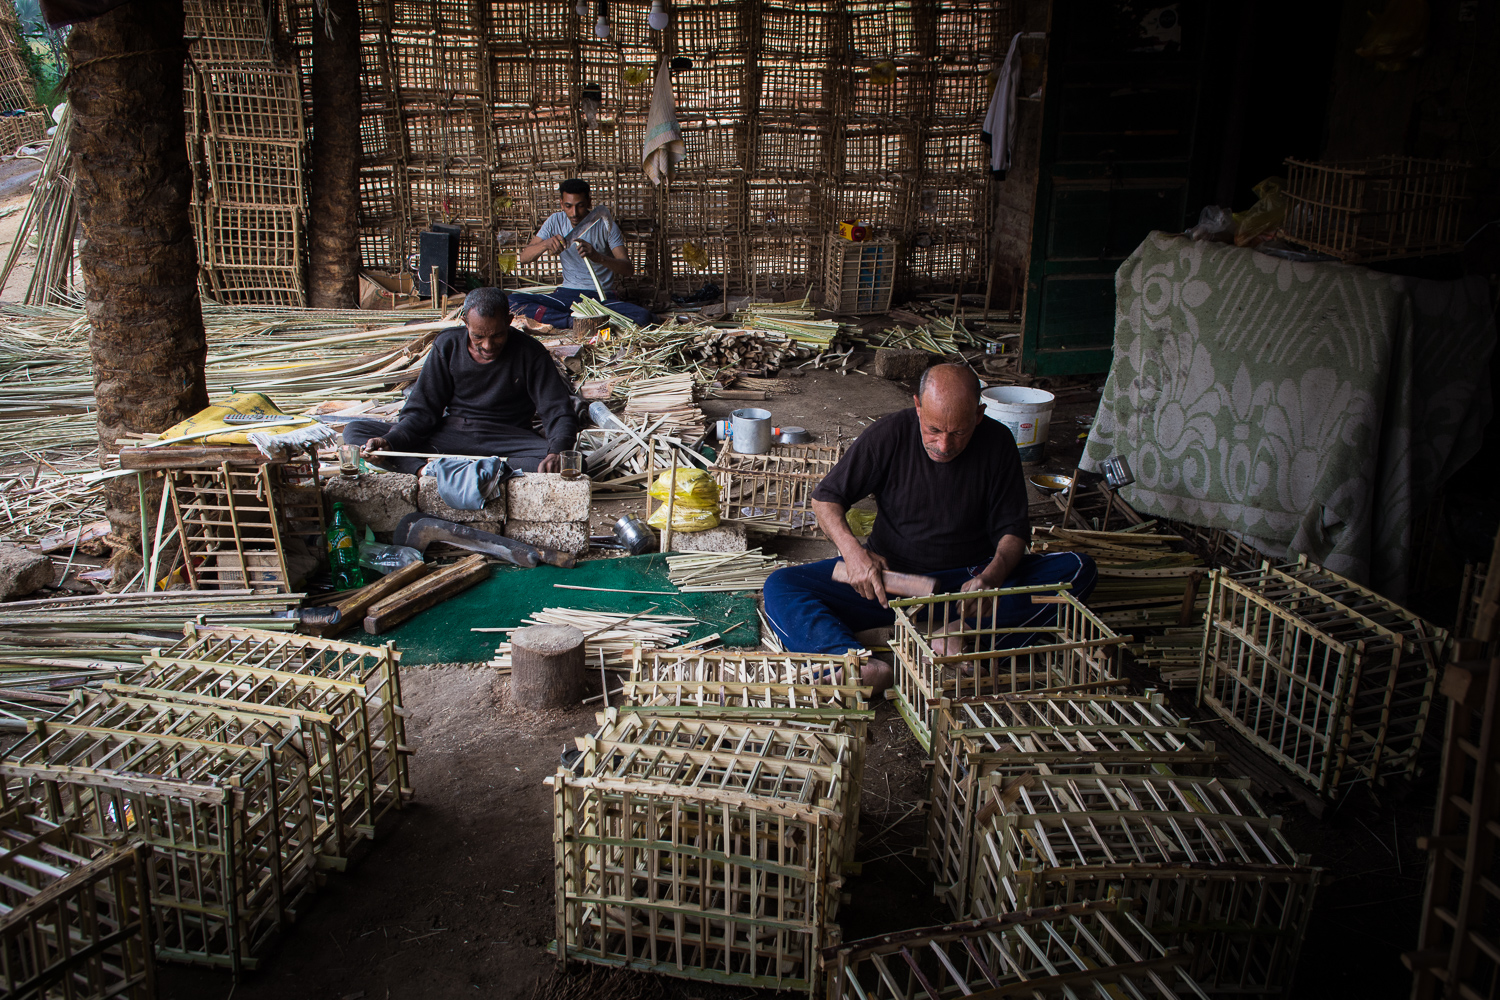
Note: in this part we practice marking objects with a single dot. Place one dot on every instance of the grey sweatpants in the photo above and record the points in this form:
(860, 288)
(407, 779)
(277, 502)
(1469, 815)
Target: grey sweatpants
(457, 436)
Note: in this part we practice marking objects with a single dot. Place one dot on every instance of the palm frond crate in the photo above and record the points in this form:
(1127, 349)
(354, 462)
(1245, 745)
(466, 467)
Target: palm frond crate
(859, 277)
(1087, 949)
(74, 922)
(715, 864)
(1009, 736)
(1377, 209)
(774, 491)
(947, 646)
(230, 827)
(1209, 871)
(801, 670)
(1335, 686)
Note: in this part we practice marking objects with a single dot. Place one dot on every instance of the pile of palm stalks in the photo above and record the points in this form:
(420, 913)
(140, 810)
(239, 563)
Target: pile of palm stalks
(667, 400)
(609, 638)
(50, 646)
(745, 352)
(939, 336)
(49, 222)
(793, 320)
(698, 572)
(1142, 575)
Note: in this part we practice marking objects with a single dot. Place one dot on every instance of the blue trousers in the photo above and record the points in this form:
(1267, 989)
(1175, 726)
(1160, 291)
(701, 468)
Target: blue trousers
(556, 309)
(811, 613)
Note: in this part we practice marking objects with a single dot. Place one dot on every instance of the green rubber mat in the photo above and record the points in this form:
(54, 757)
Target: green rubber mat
(441, 634)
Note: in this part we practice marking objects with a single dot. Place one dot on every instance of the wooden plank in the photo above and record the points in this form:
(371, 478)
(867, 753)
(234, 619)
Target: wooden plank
(179, 456)
(353, 606)
(426, 592)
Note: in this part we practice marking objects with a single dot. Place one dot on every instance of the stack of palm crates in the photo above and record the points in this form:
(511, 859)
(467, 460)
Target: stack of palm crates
(705, 830)
(72, 924)
(247, 761)
(1052, 788)
(1330, 679)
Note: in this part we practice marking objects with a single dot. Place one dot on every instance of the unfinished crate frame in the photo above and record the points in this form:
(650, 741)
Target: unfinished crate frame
(1097, 948)
(375, 669)
(713, 867)
(1010, 736)
(72, 923)
(1376, 209)
(231, 827)
(1209, 871)
(803, 670)
(859, 277)
(774, 491)
(1334, 695)
(1075, 651)
(738, 699)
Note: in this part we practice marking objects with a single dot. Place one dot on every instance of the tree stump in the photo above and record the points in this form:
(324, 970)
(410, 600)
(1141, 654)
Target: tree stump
(546, 666)
(585, 327)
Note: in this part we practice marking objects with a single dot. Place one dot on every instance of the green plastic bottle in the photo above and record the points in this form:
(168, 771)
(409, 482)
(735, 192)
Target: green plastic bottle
(343, 551)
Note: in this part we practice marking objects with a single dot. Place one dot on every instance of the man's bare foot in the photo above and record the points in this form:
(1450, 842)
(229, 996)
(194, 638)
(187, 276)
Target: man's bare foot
(878, 674)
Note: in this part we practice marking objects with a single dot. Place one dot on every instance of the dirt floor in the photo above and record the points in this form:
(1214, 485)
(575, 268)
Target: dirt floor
(455, 897)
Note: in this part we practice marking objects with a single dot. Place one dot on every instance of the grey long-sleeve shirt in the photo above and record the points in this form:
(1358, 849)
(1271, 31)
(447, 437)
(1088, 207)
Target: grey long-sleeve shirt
(521, 382)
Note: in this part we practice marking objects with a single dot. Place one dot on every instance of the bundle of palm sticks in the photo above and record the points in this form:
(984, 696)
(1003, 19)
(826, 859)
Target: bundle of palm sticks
(668, 398)
(609, 637)
(697, 572)
(1143, 576)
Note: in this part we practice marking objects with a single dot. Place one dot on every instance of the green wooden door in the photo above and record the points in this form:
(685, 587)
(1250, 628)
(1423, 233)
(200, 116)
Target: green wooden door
(1121, 155)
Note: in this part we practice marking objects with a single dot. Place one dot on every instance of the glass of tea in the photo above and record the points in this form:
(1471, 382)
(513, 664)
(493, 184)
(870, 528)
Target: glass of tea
(572, 464)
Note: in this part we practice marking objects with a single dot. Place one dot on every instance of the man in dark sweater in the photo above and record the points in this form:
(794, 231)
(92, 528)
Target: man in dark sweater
(480, 387)
(952, 505)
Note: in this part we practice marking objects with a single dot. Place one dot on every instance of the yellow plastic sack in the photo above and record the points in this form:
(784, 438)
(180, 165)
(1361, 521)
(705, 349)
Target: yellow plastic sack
(209, 426)
(1260, 221)
(697, 505)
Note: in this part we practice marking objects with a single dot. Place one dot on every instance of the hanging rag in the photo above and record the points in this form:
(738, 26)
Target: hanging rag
(249, 418)
(468, 483)
(664, 146)
(1000, 120)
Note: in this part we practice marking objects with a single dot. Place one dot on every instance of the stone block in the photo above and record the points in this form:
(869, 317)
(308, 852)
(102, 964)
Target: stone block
(565, 536)
(491, 517)
(547, 497)
(22, 571)
(375, 500)
(900, 363)
(724, 538)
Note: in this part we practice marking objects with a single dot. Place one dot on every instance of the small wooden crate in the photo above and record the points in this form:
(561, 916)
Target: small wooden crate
(1075, 651)
(859, 277)
(1210, 872)
(231, 827)
(375, 669)
(1377, 209)
(73, 924)
(1013, 735)
(798, 669)
(774, 490)
(1086, 949)
(713, 699)
(709, 865)
(1336, 695)
(232, 519)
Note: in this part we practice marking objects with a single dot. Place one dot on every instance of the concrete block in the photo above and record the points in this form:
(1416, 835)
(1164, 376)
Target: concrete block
(565, 536)
(900, 363)
(375, 500)
(547, 497)
(22, 571)
(491, 517)
(724, 538)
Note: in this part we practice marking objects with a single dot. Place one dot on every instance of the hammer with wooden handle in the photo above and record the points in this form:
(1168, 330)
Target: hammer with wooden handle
(898, 584)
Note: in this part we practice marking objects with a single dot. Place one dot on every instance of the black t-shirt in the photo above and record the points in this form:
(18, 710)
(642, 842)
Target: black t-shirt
(933, 515)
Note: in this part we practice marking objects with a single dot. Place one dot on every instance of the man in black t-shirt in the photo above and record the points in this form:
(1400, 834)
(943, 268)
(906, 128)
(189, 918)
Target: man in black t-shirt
(952, 505)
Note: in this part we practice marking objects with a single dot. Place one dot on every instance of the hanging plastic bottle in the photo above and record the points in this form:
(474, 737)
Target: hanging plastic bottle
(343, 551)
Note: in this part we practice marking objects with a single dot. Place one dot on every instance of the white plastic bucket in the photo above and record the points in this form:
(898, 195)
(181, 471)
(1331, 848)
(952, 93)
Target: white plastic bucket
(1028, 414)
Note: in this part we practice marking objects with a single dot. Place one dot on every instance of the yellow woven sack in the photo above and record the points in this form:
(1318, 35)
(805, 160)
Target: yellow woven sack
(209, 426)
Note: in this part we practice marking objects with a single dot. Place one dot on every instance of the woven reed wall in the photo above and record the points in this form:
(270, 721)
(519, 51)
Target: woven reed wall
(22, 119)
(472, 116)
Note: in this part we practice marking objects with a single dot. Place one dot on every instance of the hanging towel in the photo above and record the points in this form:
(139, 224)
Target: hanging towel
(468, 483)
(664, 147)
(1000, 121)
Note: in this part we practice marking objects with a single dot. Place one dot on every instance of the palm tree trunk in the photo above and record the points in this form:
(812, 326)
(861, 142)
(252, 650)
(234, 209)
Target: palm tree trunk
(139, 261)
(333, 223)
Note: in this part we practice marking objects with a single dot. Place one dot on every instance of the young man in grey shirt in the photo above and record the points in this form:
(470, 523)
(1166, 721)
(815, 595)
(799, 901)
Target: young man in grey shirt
(600, 249)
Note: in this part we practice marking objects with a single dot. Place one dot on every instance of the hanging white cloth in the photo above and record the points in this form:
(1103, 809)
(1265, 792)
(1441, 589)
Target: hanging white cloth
(664, 146)
(1000, 120)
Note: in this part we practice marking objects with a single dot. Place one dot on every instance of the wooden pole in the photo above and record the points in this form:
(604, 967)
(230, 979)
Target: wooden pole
(546, 666)
(666, 535)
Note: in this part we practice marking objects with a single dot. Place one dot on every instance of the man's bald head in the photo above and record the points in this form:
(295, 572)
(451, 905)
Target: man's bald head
(948, 410)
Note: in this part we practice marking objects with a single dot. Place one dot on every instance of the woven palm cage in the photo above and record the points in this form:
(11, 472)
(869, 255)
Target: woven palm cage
(22, 118)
